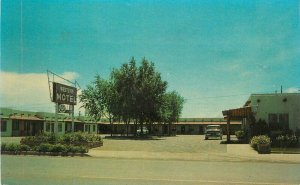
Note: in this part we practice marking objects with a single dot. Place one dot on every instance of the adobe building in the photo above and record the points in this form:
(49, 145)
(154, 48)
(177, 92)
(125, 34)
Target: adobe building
(281, 111)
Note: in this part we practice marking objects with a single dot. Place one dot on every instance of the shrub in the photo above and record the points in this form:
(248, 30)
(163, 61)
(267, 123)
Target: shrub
(82, 149)
(240, 134)
(80, 139)
(39, 139)
(261, 139)
(66, 139)
(44, 147)
(58, 148)
(12, 147)
(24, 148)
(74, 149)
(3, 146)
(52, 138)
(287, 140)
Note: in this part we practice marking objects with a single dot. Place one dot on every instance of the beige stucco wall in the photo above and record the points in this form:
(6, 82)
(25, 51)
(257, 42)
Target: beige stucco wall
(274, 104)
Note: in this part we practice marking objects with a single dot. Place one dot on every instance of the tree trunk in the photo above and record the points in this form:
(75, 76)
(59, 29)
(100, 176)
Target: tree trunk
(111, 127)
(127, 127)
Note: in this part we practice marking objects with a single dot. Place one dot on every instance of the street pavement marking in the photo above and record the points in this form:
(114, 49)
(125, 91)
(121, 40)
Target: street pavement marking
(187, 180)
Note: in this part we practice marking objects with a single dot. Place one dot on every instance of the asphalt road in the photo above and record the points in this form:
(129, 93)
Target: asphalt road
(46, 170)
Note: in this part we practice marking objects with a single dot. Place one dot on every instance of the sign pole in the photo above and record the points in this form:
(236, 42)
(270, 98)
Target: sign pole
(56, 118)
(72, 117)
(62, 94)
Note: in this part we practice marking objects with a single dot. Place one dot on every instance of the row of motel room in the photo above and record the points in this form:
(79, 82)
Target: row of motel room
(280, 111)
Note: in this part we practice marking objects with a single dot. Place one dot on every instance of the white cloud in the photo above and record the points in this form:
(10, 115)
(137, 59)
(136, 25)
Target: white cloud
(292, 90)
(29, 91)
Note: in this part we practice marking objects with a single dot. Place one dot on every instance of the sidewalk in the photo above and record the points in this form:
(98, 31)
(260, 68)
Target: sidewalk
(235, 152)
(245, 152)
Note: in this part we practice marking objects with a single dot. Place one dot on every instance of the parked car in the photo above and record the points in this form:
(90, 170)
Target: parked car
(145, 131)
(213, 131)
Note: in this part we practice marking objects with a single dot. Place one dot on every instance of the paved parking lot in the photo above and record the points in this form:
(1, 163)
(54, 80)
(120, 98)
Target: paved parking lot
(175, 144)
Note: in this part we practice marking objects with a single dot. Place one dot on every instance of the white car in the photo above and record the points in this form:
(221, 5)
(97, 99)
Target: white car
(213, 131)
(145, 131)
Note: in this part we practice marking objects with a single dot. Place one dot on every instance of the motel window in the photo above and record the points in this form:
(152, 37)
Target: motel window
(15, 125)
(273, 118)
(59, 127)
(3, 126)
(86, 128)
(48, 127)
(284, 121)
(69, 127)
(279, 121)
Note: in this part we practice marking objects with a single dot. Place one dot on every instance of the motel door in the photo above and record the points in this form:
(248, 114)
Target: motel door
(183, 129)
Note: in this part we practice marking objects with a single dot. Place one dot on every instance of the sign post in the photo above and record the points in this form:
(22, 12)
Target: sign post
(63, 94)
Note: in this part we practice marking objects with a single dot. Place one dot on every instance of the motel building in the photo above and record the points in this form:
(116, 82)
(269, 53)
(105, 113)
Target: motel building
(185, 126)
(25, 123)
(280, 111)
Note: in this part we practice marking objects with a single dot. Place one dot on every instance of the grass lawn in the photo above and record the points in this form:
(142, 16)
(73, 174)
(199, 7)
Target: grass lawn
(11, 139)
(285, 150)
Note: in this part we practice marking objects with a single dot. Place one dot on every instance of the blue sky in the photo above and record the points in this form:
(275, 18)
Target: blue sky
(214, 53)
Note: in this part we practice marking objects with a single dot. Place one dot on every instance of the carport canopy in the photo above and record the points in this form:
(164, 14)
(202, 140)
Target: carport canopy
(236, 114)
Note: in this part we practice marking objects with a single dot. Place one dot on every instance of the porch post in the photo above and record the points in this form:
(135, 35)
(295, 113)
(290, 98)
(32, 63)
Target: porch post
(228, 128)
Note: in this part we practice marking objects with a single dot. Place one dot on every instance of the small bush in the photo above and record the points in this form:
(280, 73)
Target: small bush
(261, 139)
(59, 148)
(287, 140)
(39, 139)
(240, 134)
(3, 146)
(12, 147)
(74, 149)
(44, 147)
(83, 149)
(24, 148)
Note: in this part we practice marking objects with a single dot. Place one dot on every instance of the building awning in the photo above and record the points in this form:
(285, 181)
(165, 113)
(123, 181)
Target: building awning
(29, 118)
(238, 113)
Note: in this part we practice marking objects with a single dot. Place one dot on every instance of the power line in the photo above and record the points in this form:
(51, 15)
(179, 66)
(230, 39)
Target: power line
(226, 96)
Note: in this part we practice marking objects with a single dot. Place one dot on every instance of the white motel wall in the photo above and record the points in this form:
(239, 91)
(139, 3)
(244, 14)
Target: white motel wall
(278, 110)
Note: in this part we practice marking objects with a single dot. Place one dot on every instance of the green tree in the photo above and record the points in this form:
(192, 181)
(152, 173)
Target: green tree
(133, 93)
(125, 86)
(92, 99)
(101, 100)
(150, 91)
(171, 108)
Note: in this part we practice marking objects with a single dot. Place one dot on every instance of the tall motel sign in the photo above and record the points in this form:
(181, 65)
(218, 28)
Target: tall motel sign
(64, 97)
